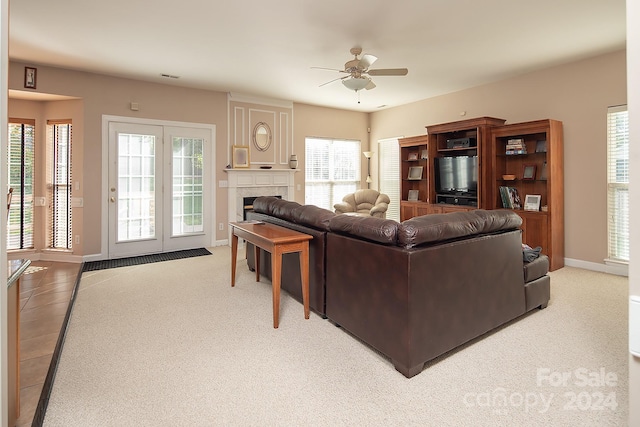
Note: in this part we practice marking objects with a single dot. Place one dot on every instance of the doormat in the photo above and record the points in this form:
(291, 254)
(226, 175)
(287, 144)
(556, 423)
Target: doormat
(143, 259)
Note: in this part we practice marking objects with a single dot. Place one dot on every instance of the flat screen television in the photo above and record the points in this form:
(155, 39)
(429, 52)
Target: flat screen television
(457, 175)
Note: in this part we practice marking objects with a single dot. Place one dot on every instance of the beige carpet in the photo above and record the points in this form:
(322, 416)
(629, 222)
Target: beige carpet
(172, 344)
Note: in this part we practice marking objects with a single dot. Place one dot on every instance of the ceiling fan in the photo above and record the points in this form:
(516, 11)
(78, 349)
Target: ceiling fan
(358, 72)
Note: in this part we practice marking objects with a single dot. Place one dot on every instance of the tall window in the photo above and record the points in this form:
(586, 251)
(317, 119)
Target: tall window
(618, 182)
(390, 175)
(59, 184)
(332, 170)
(20, 162)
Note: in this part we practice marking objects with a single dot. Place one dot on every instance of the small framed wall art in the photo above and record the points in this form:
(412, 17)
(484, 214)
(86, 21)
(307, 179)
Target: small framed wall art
(30, 75)
(413, 195)
(240, 156)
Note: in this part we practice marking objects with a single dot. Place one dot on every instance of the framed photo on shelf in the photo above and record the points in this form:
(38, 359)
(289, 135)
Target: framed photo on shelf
(529, 172)
(413, 156)
(413, 195)
(424, 154)
(541, 146)
(532, 202)
(415, 172)
(240, 156)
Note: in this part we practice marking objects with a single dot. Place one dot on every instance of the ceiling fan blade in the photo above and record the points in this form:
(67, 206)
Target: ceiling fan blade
(371, 85)
(331, 81)
(329, 69)
(367, 60)
(388, 72)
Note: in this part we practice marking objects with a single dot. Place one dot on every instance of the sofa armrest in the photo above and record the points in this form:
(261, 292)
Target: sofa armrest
(343, 207)
(535, 269)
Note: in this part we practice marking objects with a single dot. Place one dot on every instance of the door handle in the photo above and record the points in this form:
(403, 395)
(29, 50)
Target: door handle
(113, 200)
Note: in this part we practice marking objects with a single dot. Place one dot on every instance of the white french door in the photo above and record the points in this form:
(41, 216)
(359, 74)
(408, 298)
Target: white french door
(159, 195)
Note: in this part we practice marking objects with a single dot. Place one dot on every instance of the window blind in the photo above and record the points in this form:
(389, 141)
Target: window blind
(618, 182)
(20, 162)
(59, 184)
(390, 174)
(332, 170)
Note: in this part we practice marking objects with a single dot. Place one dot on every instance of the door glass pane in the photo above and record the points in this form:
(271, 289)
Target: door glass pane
(136, 191)
(187, 181)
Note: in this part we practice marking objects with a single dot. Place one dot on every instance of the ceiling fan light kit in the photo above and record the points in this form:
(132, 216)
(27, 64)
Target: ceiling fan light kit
(356, 83)
(358, 72)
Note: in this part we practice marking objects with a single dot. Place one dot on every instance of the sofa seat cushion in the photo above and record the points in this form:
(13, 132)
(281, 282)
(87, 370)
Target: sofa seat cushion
(535, 269)
(371, 228)
(455, 225)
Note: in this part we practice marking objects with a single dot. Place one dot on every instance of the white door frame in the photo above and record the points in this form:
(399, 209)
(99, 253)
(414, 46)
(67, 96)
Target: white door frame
(104, 235)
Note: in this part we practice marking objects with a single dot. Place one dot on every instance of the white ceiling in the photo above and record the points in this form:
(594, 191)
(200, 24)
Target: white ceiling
(266, 49)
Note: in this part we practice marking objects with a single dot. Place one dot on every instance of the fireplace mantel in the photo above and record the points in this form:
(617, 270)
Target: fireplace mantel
(256, 182)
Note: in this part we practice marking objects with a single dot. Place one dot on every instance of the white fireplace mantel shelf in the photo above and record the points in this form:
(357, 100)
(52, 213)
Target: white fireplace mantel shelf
(260, 177)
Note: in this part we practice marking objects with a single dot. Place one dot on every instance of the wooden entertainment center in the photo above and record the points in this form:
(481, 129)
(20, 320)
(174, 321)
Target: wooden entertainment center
(516, 166)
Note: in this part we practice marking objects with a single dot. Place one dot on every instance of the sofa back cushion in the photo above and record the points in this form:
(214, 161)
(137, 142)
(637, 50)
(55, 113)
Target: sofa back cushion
(306, 215)
(443, 227)
(313, 216)
(379, 230)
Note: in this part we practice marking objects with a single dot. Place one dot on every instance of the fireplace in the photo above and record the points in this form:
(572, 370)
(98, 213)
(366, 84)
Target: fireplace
(246, 183)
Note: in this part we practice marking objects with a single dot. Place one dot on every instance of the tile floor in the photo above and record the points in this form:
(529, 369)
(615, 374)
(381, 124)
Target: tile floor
(45, 293)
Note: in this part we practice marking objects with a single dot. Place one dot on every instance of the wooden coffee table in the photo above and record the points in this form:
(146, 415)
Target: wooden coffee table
(277, 241)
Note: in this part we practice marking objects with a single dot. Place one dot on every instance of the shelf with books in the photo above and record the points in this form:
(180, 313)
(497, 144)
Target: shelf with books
(534, 176)
(414, 176)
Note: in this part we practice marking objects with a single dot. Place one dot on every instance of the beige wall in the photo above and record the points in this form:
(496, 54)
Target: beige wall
(578, 94)
(104, 95)
(244, 116)
(42, 111)
(313, 121)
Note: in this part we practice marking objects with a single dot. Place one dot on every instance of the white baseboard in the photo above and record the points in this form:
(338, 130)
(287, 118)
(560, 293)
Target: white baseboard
(610, 268)
(47, 255)
(60, 257)
(223, 242)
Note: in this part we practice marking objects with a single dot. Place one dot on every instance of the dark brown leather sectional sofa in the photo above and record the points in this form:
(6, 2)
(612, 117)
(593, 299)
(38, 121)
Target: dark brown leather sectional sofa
(412, 290)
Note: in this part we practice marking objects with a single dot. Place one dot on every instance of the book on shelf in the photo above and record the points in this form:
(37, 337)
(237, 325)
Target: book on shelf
(515, 146)
(510, 198)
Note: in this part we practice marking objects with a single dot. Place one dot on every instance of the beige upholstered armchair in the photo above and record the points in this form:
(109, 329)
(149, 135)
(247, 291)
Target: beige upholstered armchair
(364, 202)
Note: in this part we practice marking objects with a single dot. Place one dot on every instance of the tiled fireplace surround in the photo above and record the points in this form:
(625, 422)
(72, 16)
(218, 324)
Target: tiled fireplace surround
(256, 182)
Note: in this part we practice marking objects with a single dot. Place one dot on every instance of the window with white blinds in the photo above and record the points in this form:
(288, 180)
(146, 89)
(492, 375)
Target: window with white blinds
(332, 170)
(618, 182)
(20, 163)
(389, 169)
(59, 184)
